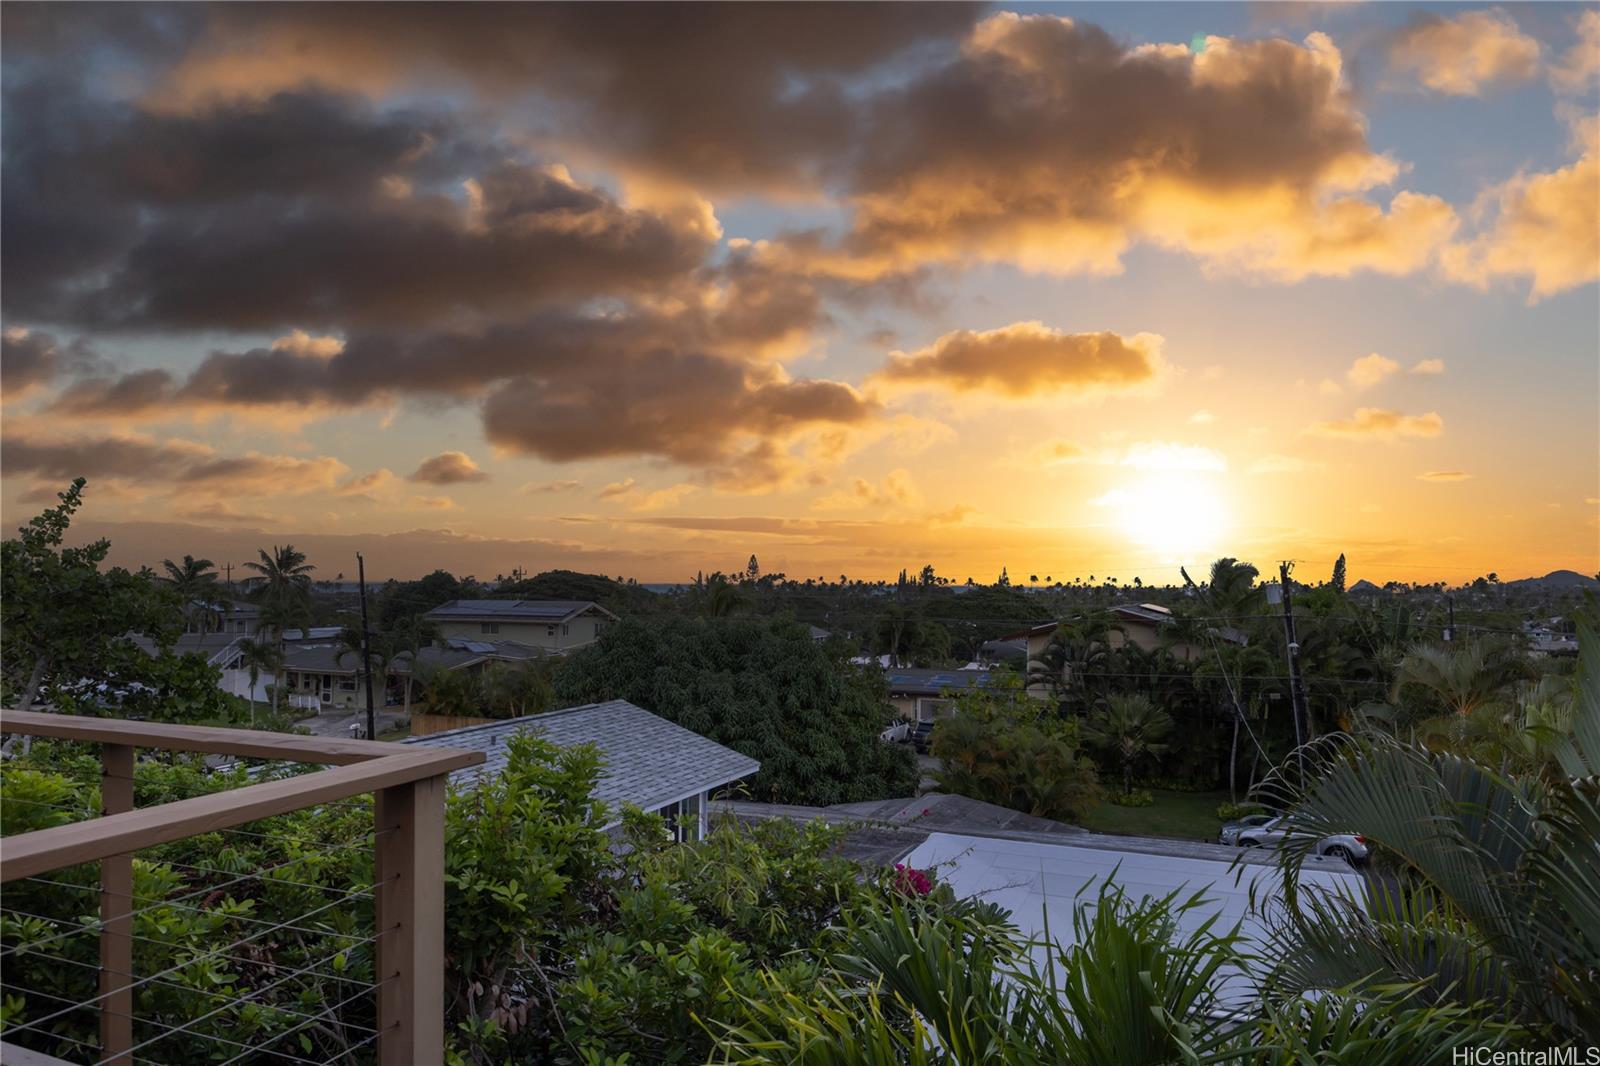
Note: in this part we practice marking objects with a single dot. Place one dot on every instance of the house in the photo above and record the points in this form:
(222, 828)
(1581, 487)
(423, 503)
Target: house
(554, 625)
(923, 695)
(1142, 625)
(650, 762)
(235, 619)
(327, 675)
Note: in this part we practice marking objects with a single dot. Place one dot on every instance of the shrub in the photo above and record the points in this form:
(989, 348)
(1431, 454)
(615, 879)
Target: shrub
(1141, 798)
(1229, 812)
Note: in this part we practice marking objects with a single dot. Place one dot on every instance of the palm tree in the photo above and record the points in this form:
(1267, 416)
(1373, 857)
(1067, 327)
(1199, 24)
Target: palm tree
(195, 582)
(260, 656)
(1463, 681)
(1495, 902)
(376, 658)
(407, 641)
(1130, 729)
(285, 573)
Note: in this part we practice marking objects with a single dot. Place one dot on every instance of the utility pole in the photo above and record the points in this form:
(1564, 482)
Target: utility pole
(1450, 626)
(366, 647)
(1297, 696)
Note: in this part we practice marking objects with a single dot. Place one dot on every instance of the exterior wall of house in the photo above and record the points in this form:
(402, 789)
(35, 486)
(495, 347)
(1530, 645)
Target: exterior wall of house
(339, 691)
(554, 636)
(922, 708)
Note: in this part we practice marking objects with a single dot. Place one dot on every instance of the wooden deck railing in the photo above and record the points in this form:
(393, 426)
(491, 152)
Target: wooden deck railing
(408, 784)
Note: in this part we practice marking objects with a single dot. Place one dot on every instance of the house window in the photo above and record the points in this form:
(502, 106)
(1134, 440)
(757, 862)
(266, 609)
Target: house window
(347, 684)
(489, 627)
(565, 629)
(599, 627)
(549, 631)
(683, 819)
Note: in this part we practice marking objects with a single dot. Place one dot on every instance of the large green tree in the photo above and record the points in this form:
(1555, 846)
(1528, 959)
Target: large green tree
(762, 687)
(65, 617)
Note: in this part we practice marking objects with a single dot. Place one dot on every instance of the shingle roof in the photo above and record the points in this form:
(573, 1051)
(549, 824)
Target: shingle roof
(513, 610)
(933, 682)
(649, 761)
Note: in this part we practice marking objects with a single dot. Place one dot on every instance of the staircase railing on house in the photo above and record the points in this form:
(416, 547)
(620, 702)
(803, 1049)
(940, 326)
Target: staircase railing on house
(407, 891)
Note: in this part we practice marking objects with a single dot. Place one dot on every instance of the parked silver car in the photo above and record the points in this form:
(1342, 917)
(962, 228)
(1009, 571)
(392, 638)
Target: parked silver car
(1274, 832)
(1230, 831)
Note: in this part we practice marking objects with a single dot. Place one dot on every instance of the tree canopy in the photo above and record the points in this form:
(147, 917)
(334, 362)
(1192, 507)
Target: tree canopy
(762, 687)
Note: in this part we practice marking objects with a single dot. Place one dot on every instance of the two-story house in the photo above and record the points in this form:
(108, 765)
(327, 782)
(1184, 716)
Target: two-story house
(554, 625)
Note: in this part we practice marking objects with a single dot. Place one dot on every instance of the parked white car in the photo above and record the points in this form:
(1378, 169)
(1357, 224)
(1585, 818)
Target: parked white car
(1275, 832)
(898, 733)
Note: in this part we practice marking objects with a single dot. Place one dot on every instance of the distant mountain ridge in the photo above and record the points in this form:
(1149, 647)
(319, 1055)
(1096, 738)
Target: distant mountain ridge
(1557, 579)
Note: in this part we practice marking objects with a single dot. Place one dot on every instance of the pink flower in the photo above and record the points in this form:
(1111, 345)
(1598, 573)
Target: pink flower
(911, 881)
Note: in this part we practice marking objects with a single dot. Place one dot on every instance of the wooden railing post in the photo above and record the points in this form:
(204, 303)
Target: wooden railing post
(408, 870)
(116, 908)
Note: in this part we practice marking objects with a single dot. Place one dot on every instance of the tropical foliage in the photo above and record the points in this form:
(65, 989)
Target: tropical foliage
(762, 687)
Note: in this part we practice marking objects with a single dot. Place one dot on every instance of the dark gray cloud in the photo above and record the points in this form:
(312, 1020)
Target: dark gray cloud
(29, 358)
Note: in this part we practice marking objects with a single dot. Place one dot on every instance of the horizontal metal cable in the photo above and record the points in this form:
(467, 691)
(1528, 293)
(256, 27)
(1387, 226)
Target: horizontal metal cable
(328, 1014)
(156, 904)
(186, 1026)
(202, 956)
(163, 982)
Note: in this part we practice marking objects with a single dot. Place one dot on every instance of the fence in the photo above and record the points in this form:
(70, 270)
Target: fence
(405, 944)
(424, 724)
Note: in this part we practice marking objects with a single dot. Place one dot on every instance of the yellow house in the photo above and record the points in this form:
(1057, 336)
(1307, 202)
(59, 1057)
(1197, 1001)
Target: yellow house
(554, 625)
(1138, 624)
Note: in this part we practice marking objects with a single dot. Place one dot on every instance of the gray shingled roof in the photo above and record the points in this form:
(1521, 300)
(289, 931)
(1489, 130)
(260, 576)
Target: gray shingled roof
(649, 761)
(513, 610)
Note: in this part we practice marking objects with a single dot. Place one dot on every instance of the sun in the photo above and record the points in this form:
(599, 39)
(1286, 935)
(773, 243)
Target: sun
(1177, 514)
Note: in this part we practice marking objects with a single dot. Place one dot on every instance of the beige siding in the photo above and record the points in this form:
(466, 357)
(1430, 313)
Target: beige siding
(557, 636)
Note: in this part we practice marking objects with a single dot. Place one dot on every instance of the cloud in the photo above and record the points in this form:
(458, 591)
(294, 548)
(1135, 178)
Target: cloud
(448, 468)
(1028, 359)
(895, 490)
(1546, 227)
(615, 489)
(1369, 370)
(1202, 417)
(1444, 475)
(719, 96)
(1283, 464)
(543, 488)
(1048, 144)
(1463, 55)
(29, 359)
(1055, 452)
(662, 498)
(1166, 455)
(1377, 423)
(1578, 69)
(1427, 366)
(178, 463)
(1329, 387)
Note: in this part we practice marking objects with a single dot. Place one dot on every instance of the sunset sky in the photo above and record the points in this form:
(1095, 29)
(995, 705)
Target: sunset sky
(1070, 289)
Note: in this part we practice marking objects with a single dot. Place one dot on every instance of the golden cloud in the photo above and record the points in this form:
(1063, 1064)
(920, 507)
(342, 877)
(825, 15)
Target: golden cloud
(1050, 145)
(1546, 227)
(1369, 370)
(895, 490)
(1444, 475)
(1461, 56)
(1377, 423)
(1027, 359)
(448, 468)
(1579, 69)
(1428, 366)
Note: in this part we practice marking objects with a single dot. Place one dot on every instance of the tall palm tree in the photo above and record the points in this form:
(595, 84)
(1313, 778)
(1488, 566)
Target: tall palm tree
(284, 572)
(1129, 729)
(284, 595)
(260, 656)
(195, 582)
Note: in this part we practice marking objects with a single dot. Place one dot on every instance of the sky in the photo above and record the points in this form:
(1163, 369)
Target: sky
(1073, 290)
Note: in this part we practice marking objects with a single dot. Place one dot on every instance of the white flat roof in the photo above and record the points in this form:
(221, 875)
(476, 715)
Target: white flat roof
(1026, 877)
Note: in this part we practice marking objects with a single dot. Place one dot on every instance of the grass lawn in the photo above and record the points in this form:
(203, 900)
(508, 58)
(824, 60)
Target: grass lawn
(1182, 815)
